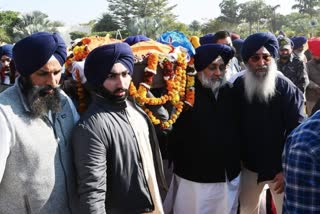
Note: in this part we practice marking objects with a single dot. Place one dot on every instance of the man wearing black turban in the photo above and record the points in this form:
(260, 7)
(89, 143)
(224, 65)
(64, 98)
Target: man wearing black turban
(204, 144)
(36, 119)
(271, 106)
(116, 151)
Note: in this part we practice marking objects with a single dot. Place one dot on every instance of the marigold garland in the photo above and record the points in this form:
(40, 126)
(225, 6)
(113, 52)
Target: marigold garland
(179, 87)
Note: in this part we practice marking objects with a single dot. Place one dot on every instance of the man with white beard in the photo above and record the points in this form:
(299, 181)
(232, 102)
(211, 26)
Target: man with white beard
(270, 106)
(204, 142)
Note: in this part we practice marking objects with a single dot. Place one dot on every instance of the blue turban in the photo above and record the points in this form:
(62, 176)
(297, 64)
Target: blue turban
(100, 61)
(33, 52)
(237, 44)
(207, 39)
(299, 41)
(6, 50)
(255, 41)
(205, 54)
(131, 40)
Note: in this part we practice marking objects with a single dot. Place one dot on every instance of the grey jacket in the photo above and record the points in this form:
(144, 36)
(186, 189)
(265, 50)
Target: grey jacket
(39, 175)
(108, 163)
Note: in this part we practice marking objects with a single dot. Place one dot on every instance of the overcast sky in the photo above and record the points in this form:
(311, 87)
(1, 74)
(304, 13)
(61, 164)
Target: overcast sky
(80, 11)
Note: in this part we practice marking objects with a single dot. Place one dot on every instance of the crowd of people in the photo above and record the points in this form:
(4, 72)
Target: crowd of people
(253, 124)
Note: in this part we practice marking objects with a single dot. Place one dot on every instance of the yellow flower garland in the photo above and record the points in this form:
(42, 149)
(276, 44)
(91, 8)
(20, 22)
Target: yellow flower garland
(178, 87)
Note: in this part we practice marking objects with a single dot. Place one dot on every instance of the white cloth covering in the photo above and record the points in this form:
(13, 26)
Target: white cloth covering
(188, 197)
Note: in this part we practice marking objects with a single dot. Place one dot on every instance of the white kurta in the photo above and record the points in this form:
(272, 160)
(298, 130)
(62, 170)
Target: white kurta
(188, 197)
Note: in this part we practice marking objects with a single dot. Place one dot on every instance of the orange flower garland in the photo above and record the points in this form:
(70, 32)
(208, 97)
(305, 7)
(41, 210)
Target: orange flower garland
(177, 81)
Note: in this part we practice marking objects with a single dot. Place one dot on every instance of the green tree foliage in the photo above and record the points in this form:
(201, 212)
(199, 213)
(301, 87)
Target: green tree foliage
(33, 22)
(310, 7)
(77, 34)
(8, 19)
(229, 11)
(213, 25)
(142, 15)
(255, 12)
(106, 23)
(195, 27)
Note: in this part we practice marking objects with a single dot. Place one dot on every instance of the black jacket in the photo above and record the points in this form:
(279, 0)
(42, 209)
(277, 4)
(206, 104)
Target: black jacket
(264, 127)
(108, 163)
(204, 142)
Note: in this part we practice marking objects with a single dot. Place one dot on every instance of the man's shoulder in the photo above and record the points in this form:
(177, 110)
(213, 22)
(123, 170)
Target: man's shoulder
(7, 96)
(308, 133)
(94, 116)
(284, 82)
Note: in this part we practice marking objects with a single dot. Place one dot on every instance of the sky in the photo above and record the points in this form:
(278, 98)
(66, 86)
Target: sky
(72, 12)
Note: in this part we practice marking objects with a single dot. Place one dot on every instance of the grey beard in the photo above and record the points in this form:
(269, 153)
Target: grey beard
(39, 102)
(261, 85)
(214, 85)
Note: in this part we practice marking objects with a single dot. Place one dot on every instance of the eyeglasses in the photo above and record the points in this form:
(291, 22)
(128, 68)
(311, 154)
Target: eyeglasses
(213, 67)
(257, 57)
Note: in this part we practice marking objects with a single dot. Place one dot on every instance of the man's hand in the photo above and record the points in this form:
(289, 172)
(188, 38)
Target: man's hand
(278, 180)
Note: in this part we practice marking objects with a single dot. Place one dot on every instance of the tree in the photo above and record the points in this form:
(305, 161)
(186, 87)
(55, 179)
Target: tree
(8, 19)
(310, 7)
(213, 25)
(77, 34)
(195, 27)
(33, 22)
(106, 23)
(229, 11)
(147, 12)
(255, 12)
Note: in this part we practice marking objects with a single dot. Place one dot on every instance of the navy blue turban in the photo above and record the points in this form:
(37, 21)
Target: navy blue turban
(299, 41)
(131, 40)
(255, 41)
(207, 39)
(237, 44)
(6, 50)
(100, 61)
(33, 52)
(205, 54)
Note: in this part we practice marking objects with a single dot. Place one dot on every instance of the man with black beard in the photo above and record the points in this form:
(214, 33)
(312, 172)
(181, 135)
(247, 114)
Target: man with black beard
(313, 89)
(290, 65)
(36, 119)
(5, 57)
(204, 143)
(270, 106)
(116, 151)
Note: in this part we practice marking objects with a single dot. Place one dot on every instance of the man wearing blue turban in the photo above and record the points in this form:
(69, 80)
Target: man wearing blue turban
(116, 150)
(223, 37)
(299, 47)
(271, 106)
(36, 119)
(5, 56)
(204, 144)
(290, 65)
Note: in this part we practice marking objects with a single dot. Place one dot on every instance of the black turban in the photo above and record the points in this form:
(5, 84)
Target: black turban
(255, 41)
(205, 54)
(100, 61)
(33, 52)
